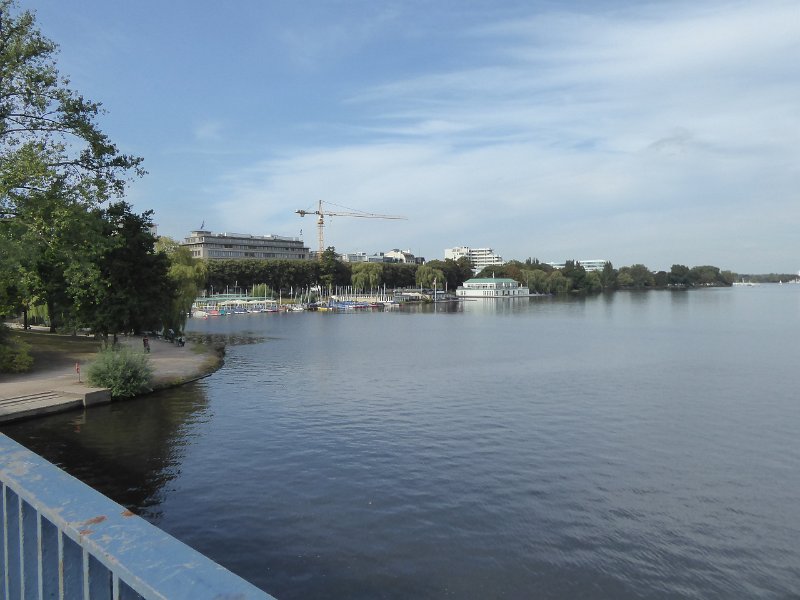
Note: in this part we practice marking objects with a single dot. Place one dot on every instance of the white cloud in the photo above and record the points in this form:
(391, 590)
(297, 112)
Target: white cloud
(653, 135)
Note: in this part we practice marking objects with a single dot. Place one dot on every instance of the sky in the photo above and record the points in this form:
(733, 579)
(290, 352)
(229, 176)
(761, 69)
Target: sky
(637, 132)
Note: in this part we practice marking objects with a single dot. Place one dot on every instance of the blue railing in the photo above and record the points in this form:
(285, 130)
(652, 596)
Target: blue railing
(60, 538)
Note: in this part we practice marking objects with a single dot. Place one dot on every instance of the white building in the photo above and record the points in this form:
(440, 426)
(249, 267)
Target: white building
(204, 244)
(400, 256)
(491, 287)
(590, 265)
(478, 257)
(363, 257)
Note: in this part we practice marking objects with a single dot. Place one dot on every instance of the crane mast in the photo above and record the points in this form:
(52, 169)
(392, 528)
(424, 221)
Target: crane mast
(321, 214)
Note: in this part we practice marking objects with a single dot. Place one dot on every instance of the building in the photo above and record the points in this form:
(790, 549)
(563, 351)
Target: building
(491, 287)
(478, 257)
(403, 256)
(363, 257)
(204, 244)
(588, 265)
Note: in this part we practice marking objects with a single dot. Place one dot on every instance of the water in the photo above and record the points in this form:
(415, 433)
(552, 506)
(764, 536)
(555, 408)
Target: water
(624, 446)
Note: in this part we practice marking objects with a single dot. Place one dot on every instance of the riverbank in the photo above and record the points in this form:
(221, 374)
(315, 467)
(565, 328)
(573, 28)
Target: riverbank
(56, 385)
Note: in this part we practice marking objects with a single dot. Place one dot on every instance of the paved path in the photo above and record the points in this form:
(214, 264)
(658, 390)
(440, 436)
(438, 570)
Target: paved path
(56, 388)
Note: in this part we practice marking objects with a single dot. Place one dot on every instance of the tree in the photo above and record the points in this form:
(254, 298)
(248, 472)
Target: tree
(537, 281)
(332, 271)
(455, 272)
(56, 166)
(636, 276)
(399, 275)
(49, 137)
(187, 277)
(679, 275)
(576, 274)
(428, 276)
(557, 283)
(127, 289)
(705, 275)
(608, 276)
(56, 236)
(366, 276)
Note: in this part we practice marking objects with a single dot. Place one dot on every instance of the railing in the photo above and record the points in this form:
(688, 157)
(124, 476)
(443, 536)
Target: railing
(61, 539)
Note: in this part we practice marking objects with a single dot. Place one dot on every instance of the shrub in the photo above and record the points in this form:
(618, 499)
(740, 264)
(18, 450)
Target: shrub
(14, 354)
(125, 372)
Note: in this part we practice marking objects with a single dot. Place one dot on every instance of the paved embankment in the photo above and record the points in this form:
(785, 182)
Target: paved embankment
(56, 388)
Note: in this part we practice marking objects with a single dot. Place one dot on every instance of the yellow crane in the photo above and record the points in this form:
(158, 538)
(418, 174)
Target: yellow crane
(329, 213)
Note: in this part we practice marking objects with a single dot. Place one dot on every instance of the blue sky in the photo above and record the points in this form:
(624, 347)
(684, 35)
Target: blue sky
(652, 132)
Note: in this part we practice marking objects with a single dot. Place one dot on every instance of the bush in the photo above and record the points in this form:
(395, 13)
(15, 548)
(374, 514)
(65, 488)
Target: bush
(14, 354)
(14, 357)
(125, 372)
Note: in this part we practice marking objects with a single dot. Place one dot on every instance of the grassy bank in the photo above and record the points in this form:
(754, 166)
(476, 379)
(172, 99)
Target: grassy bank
(54, 351)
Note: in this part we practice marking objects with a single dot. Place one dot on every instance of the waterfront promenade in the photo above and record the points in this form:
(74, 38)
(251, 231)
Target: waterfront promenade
(54, 386)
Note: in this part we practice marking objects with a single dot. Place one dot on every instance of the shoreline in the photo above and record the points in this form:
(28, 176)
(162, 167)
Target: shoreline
(54, 385)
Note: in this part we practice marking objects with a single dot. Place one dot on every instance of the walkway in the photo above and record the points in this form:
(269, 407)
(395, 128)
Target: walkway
(55, 388)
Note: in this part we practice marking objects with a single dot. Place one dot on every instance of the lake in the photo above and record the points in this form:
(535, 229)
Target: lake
(633, 445)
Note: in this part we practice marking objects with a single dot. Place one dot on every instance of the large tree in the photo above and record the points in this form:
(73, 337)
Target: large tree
(48, 132)
(187, 276)
(56, 168)
(127, 288)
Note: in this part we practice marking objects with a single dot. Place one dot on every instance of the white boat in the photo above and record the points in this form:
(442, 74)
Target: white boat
(492, 287)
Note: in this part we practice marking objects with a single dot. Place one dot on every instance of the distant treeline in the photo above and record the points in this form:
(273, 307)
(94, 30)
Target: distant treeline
(540, 277)
(573, 278)
(769, 277)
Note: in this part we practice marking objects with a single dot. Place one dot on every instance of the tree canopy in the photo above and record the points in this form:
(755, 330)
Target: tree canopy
(66, 243)
(49, 136)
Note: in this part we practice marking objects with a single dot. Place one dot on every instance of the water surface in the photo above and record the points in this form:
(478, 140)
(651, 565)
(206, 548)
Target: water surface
(621, 446)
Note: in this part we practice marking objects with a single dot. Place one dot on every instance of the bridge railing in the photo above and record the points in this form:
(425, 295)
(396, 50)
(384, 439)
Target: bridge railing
(59, 538)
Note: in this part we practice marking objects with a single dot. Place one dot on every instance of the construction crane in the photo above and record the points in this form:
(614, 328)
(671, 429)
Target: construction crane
(329, 213)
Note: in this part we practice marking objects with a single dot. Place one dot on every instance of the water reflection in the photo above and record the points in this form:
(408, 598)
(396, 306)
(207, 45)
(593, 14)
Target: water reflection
(129, 450)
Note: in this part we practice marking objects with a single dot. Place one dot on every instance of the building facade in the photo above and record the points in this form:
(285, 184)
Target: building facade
(594, 264)
(479, 258)
(400, 256)
(208, 245)
(363, 257)
(490, 287)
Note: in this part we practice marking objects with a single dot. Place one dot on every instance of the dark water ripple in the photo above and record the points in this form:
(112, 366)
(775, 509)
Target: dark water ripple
(634, 446)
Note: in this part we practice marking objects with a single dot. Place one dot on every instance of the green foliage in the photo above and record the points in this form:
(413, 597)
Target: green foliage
(262, 290)
(428, 277)
(14, 354)
(576, 274)
(455, 272)
(126, 288)
(366, 276)
(557, 283)
(705, 275)
(125, 372)
(399, 275)
(537, 281)
(187, 277)
(332, 271)
(636, 276)
(48, 133)
(608, 276)
(679, 276)
(56, 167)
(244, 274)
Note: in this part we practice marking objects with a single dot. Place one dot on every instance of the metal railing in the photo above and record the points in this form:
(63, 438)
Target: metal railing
(59, 538)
